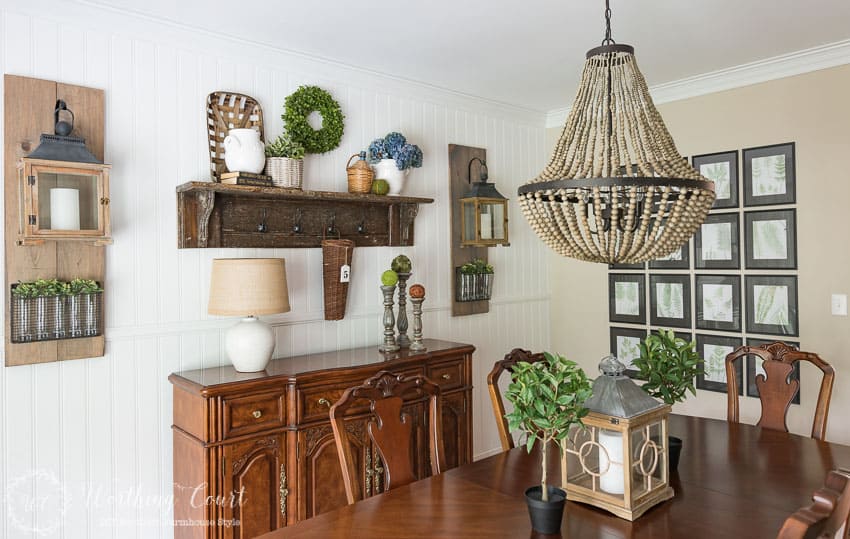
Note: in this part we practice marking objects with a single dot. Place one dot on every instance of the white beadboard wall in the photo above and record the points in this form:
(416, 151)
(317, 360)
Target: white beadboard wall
(86, 445)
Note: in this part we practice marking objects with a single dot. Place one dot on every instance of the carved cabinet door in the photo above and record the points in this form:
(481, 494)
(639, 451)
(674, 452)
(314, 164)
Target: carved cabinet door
(320, 485)
(255, 490)
(455, 429)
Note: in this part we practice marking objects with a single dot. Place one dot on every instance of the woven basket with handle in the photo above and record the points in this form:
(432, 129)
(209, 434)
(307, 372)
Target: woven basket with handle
(360, 175)
(285, 172)
(335, 255)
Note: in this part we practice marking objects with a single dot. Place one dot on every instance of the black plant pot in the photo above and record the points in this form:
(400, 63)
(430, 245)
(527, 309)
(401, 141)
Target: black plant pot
(675, 445)
(546, 516)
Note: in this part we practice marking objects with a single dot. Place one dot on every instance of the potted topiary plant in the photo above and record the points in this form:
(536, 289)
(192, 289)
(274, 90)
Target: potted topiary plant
(669, 365)
(285, 162)
(548, 398)
(392, 157)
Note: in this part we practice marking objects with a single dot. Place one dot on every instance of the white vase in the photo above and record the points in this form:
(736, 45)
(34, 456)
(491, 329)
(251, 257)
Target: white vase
(244, 151)
(385, 169)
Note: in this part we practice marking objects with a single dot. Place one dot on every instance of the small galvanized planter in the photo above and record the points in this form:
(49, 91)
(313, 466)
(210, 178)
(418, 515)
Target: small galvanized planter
(473, 287)
(48, 318)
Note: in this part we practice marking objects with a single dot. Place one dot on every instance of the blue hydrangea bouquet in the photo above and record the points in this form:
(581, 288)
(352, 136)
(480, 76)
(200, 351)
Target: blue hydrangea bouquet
(395, 146)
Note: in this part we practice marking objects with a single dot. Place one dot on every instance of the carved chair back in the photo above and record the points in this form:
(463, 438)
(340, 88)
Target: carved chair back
(829, 514)
(777, 389)
(511, 359)
(391, 430)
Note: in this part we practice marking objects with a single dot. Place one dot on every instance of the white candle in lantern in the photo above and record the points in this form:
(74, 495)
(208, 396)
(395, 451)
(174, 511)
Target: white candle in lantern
(611, 480)
(486, 227)
(64, 209)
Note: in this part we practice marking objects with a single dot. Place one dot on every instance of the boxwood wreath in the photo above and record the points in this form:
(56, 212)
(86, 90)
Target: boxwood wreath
(299, 105)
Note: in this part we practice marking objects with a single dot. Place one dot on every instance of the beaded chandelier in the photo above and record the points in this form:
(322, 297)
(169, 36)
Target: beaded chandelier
(616, 189)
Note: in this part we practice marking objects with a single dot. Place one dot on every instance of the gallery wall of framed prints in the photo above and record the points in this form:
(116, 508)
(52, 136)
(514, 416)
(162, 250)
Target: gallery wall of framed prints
(734, 282)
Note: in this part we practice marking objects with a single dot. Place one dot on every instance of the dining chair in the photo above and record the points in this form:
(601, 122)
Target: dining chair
(511, 359)
(390, 429)
(777, 389)
(828, 516)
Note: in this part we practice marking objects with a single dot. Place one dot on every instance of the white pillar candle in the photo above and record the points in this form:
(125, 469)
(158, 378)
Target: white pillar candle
(611, 480)
(64, 209)
(486, 227)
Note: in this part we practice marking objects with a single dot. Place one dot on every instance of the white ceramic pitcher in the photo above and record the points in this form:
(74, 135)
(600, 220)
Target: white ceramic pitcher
(244, 151)
(386, 169)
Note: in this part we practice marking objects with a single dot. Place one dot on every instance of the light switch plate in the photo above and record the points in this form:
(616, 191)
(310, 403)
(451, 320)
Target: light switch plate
(839, 304)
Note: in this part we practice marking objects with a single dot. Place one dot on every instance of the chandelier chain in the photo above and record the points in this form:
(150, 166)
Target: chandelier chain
(608, 40)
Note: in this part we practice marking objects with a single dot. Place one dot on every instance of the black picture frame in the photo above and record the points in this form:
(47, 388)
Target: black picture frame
(730, 158)
(683, 263)
(733, 261)
(616, 332)
(758, 308)
(712, 384)
(613, 315)
(640, 266)
(752, 388)
(789, 184)
(751, 218)
(713, 322)
(658, 320)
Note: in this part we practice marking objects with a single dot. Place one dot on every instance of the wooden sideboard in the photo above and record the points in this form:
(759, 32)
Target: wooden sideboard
(254, 451)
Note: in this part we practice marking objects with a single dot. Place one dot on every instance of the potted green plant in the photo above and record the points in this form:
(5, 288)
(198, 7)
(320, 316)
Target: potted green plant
(285, 162)
(669, 364)
(548, 398)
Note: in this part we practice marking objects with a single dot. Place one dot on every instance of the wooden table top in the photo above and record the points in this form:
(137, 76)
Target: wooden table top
(733, 481)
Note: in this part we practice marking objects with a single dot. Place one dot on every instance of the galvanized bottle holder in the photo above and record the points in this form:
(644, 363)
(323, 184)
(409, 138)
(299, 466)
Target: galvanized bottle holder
(50, 318)
(473, 287)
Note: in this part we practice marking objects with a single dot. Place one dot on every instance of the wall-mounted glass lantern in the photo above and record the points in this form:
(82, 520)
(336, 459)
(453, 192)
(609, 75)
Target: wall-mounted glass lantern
(484, 212)
(63, 193)
(618, 462)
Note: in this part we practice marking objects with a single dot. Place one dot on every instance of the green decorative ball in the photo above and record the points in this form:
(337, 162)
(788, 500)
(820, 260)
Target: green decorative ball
(401, 264)
(380, 187)
(389, 278)
(299, 105)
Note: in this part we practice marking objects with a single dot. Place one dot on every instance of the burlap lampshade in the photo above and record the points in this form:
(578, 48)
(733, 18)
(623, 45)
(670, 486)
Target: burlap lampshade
(248, 286)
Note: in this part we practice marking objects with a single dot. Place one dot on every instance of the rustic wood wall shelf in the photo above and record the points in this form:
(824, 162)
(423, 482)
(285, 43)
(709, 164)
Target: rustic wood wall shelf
(219, 215)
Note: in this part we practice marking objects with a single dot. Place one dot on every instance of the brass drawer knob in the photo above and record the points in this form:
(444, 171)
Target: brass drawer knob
(324, 402)
(257, 414)
(447, 376)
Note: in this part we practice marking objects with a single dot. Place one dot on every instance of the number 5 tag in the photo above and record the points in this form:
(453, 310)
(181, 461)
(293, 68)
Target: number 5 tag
(345, 273)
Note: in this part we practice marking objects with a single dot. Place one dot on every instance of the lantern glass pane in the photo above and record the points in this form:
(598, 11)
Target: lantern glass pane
(488, 223)
(649, 458)
(499, 221)
(67, 201)
(595, 460)
(468, 220)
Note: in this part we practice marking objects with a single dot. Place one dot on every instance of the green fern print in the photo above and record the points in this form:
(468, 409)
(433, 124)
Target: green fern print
(771, 305)
(626, 299)
(769, 175)
(628, 349)
(715, 362)
(719, 173)
(769, 240)
(717, 303)
(669, 300)
(716, 241)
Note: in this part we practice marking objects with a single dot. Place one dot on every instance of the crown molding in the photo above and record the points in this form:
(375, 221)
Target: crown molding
(777, 67)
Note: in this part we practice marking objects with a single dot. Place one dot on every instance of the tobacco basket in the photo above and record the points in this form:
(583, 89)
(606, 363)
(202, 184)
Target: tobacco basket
(226, 111)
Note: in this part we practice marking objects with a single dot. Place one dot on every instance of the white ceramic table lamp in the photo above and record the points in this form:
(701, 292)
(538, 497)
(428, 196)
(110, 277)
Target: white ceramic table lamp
(248, 287)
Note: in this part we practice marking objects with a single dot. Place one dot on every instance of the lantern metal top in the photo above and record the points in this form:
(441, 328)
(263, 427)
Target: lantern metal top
(483, 189)
(60, 148)
(617, 395)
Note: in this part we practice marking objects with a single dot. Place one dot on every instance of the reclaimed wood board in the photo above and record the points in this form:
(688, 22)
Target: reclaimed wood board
(459, 157)
(28, 106)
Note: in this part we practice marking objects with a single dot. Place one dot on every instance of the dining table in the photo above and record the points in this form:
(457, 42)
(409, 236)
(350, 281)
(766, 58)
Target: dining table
(733, 481)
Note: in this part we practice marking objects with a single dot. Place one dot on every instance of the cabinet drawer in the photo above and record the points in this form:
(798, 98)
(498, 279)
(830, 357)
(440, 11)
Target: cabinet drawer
(252, 413)
(315, 402)
(447, 375)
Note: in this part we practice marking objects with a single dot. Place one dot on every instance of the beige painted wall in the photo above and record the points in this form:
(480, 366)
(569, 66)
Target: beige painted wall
(813, 111)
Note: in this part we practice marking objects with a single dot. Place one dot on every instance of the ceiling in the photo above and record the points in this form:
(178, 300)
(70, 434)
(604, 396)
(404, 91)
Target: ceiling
(523, 53)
